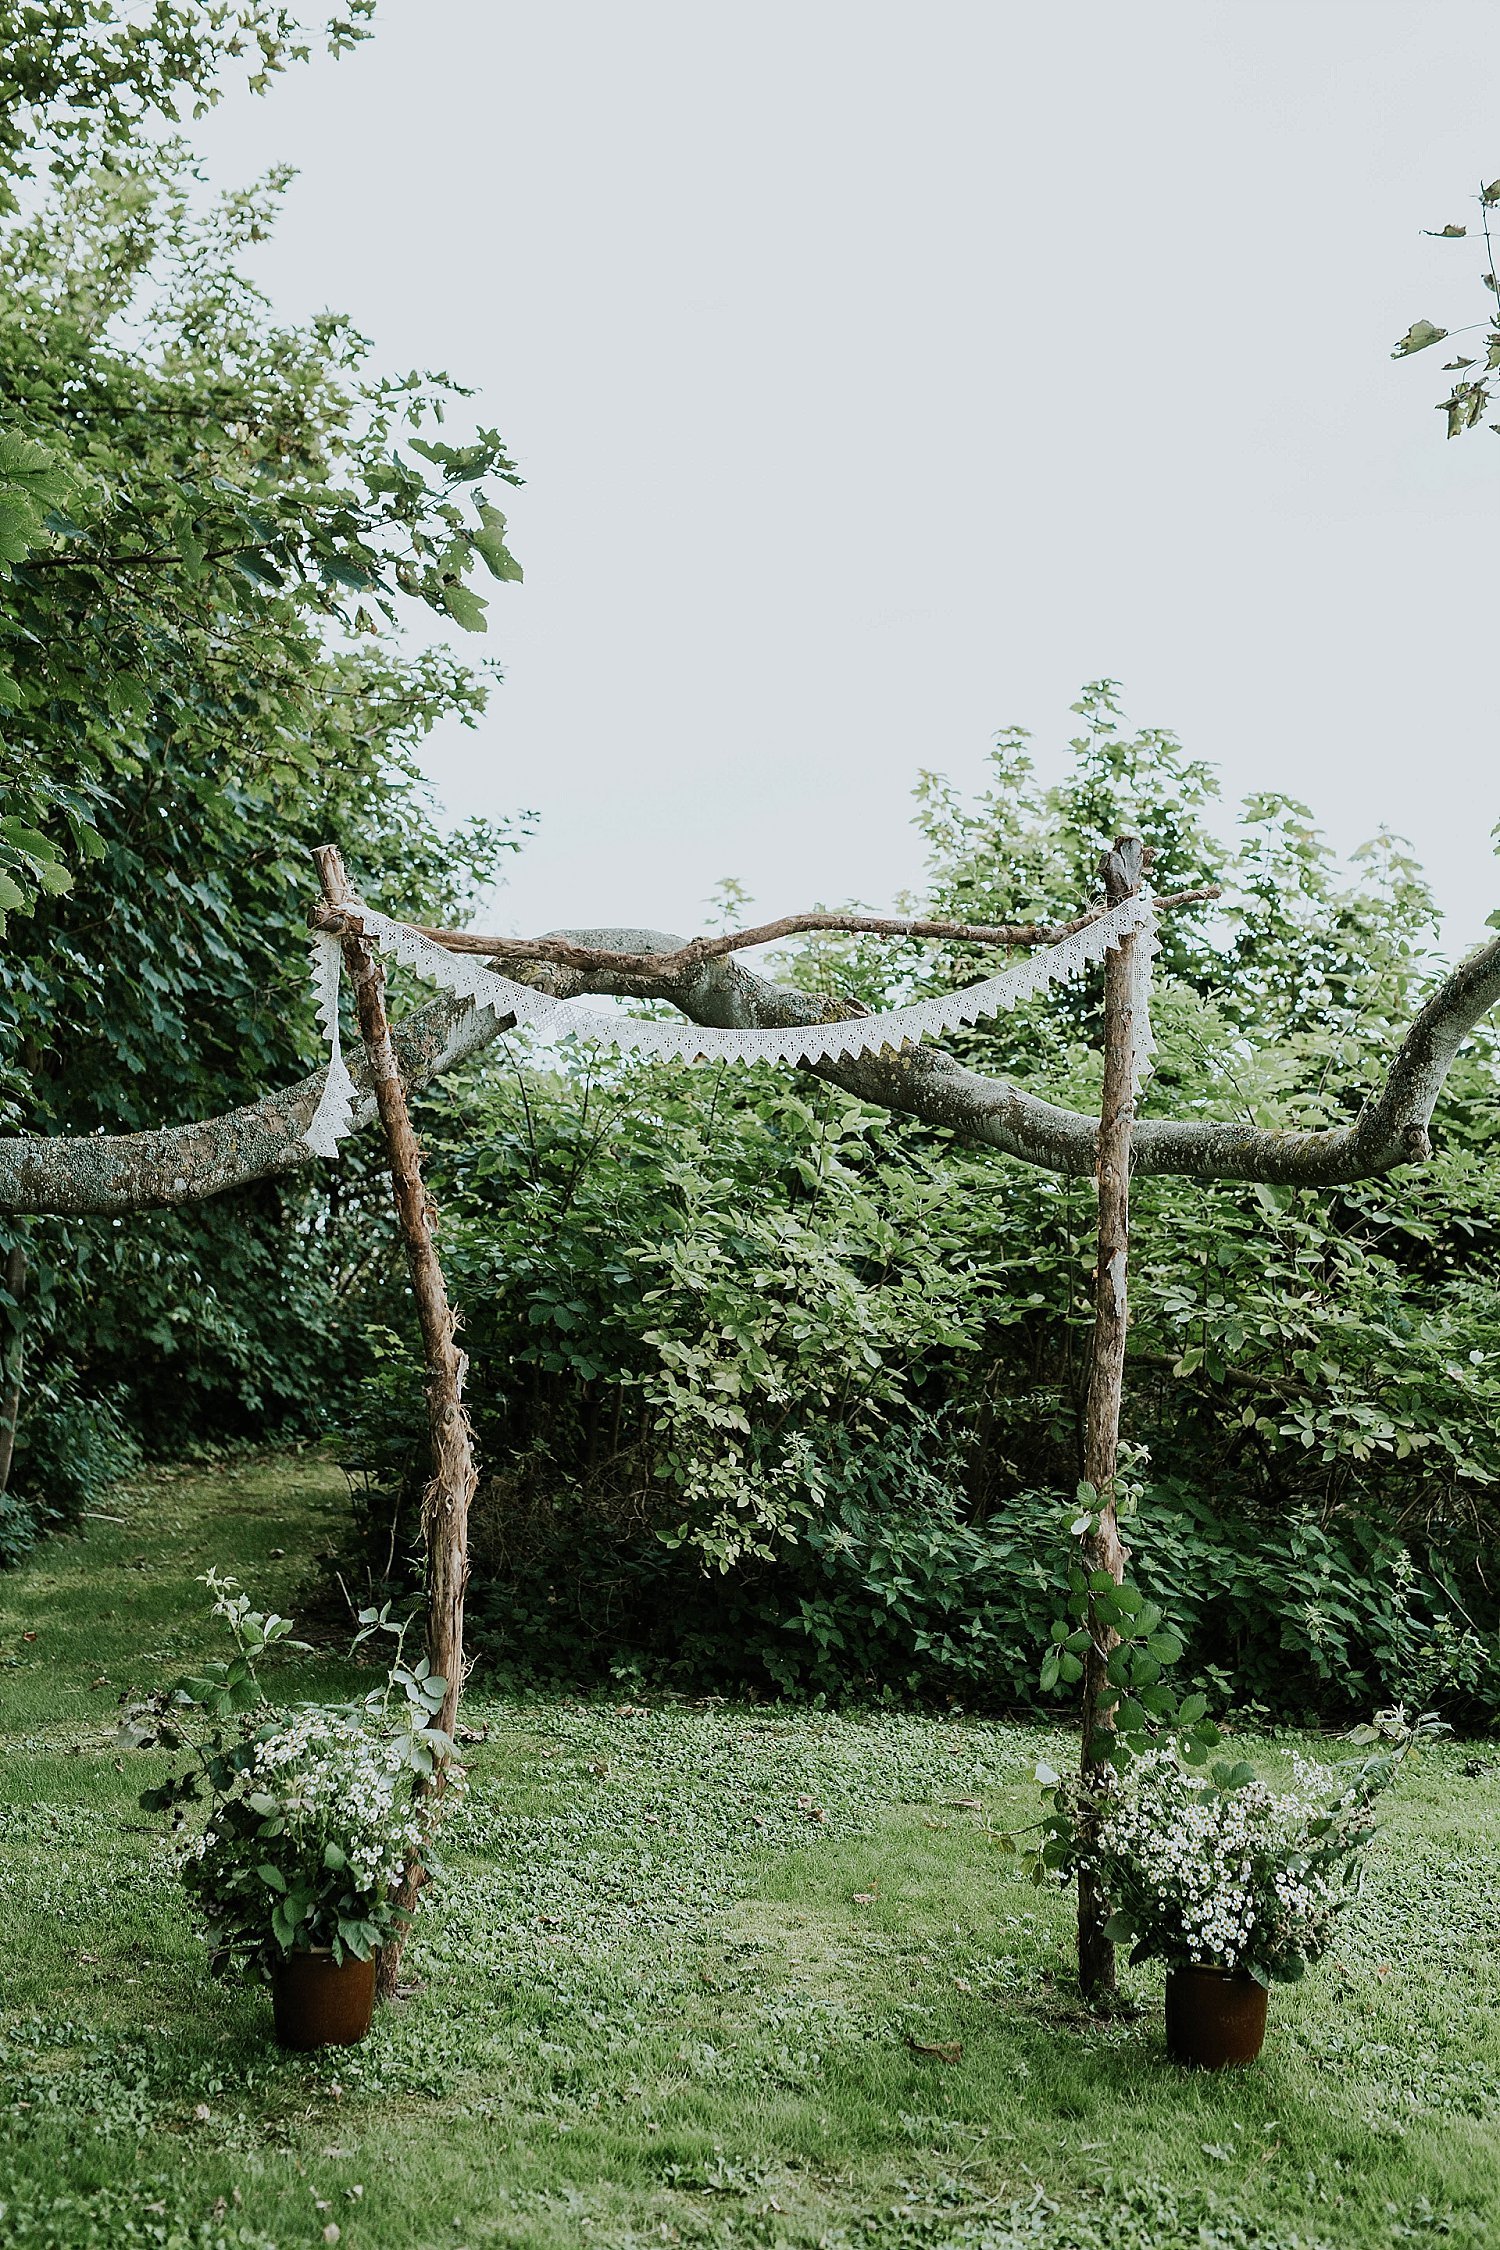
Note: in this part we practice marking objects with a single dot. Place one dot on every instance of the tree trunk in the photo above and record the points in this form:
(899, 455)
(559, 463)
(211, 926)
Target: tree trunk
(1102, 1549)
(445, 1503)
(11, 1367)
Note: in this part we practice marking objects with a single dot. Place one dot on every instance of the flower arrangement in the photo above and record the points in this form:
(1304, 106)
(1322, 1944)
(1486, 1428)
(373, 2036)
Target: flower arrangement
(308, 1847)
(318, 1815)
(1219, 1869)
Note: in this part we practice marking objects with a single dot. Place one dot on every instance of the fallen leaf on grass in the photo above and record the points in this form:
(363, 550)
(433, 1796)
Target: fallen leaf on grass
(964, 1804)
(946, 2050)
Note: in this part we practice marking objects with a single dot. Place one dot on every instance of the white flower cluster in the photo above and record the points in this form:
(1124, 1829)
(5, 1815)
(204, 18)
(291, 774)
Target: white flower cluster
(328, 1782)
(341, 1781)
(1222, 1876)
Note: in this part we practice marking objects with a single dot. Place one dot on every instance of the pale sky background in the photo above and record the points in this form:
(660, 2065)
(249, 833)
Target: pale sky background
(881, 370)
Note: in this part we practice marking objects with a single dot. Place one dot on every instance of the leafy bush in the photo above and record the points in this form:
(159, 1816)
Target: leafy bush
(69, 1452)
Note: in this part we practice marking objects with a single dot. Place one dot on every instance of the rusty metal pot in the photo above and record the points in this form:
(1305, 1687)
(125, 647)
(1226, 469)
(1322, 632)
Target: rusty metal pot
(1216, 2018)
(320, 2002)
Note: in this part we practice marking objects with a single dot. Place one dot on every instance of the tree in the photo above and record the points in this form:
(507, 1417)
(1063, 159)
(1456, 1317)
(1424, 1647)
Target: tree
(210, 525)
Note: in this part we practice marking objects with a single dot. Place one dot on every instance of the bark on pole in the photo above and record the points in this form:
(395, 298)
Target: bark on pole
(445, 1503)
(1122, 869)
(10, 1367)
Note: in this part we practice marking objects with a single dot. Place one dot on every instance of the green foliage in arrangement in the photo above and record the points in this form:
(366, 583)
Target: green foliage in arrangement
(1221, 1869)
(312, 1816)
(774, 1388)
(209, 523)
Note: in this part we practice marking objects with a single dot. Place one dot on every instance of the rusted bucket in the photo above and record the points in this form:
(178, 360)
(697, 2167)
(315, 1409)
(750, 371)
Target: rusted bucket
(1216, 2018)
(320, 2002)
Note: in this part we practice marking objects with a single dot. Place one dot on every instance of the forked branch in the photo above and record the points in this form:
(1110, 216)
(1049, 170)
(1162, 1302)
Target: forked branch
(569, 953)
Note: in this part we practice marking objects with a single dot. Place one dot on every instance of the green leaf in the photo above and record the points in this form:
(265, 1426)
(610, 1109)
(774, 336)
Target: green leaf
(490, 543)
(465, 607)
(258, 568)
(1236, 1776)
(271, 1876)
(1417, 338)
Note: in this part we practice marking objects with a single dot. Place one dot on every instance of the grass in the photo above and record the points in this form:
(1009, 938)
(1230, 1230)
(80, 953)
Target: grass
(681, 1984)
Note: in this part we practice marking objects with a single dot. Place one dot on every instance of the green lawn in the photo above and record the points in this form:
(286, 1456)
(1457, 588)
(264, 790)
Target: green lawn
(680, 1985)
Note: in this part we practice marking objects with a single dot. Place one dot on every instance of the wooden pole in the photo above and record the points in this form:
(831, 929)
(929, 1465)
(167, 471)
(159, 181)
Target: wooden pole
(1122, 869)
(10, 1378)
(445, 1503)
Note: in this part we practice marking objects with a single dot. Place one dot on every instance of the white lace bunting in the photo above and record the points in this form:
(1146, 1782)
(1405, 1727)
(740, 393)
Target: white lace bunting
(468, 976)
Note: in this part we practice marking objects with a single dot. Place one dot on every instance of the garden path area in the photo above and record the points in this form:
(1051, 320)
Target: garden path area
(738, 1976)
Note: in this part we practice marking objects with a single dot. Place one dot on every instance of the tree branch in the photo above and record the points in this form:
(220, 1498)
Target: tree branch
(570, 954)
(186, 1163)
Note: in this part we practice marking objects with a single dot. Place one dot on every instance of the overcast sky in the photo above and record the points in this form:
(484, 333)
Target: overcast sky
(882, 369)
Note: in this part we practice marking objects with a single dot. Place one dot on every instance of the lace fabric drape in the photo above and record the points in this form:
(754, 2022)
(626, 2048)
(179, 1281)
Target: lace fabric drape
(468, 977)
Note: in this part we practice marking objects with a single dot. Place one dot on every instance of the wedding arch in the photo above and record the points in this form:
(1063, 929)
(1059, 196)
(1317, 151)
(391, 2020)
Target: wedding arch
(487, 985)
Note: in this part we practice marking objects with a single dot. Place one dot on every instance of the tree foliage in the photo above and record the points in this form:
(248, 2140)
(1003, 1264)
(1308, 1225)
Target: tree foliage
(211, 525)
